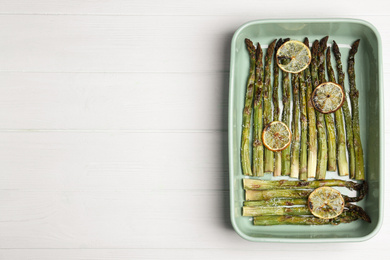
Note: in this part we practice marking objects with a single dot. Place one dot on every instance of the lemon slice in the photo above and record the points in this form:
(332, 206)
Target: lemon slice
(328, 97)
(276, 136)
(293, 56)
(326, 203)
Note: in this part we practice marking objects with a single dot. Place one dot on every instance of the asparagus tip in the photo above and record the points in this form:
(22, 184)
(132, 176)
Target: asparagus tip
(259, 55)
(250, 46)
(359, 212)
(323, 43)
(315, 47)
(306, 41)
(354, 48)
(272, 44)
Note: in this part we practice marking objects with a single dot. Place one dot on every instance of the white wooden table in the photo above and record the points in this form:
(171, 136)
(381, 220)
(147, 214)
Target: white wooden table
(113, 133)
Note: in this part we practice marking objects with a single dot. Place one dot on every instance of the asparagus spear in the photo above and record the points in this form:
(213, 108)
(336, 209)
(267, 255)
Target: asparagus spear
(312, 143)
(300, 220)
(275, 93)
(303, 155)
(330, 127)
(341, 147)
(275, 99)
(276, 202)
(298, 194)
(346, 112)
(252, 211)
(354, 96)
(303, 220)
(286, 158)
(351, 213)
(246, 117)
(280, 193)
(322, 157)
(268, 155)
(258, 148)
(295, 128)
(256, 184)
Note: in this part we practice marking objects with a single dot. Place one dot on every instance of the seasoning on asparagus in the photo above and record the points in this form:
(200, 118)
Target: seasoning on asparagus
(352, 213)
(258, 149)
(330, 127)
(276, 202)
(275, 99)
(279, 193)
(341, 143)
(268, 155)
(286, 100)
(354, 96)
(256, 184)
(246, 116)
(252, 211)
(312, 136)
(346, 112)
(297, 194)
(303, 154)
(322, 143)
(295, 128)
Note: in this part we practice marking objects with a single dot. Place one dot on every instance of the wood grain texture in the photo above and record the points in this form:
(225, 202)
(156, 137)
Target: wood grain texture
(113, 129)
(287, 252)
(77, 43)
(191, 7)
(72, 190)
(114, 101)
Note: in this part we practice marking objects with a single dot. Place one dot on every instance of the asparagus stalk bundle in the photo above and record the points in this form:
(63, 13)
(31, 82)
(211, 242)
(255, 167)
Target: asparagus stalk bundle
(285, 202)
(246, 117)
(268, 155)
(354, 95)
(258, 148)
(275, 99)
(303, 155)
(322, 157)
(295, 129)
(312, 136)
(346, 112)
(286, 158)
(330, 127)
(341, 146)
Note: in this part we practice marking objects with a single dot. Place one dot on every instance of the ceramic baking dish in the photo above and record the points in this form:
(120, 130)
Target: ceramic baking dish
(370, 84)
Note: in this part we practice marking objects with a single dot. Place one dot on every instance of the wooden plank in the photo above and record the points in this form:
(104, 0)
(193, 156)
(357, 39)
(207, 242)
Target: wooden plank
(127, 218)
(189, 44)
(275, 251)
(39, 161)
(114, 44)
(114, 101)
(90, 190)
(192, 7)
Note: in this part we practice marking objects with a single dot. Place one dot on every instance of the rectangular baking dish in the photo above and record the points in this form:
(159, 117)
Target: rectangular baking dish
(369, 80)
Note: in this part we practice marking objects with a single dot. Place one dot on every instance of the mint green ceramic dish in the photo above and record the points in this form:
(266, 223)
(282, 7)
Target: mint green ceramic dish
(370, 84)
